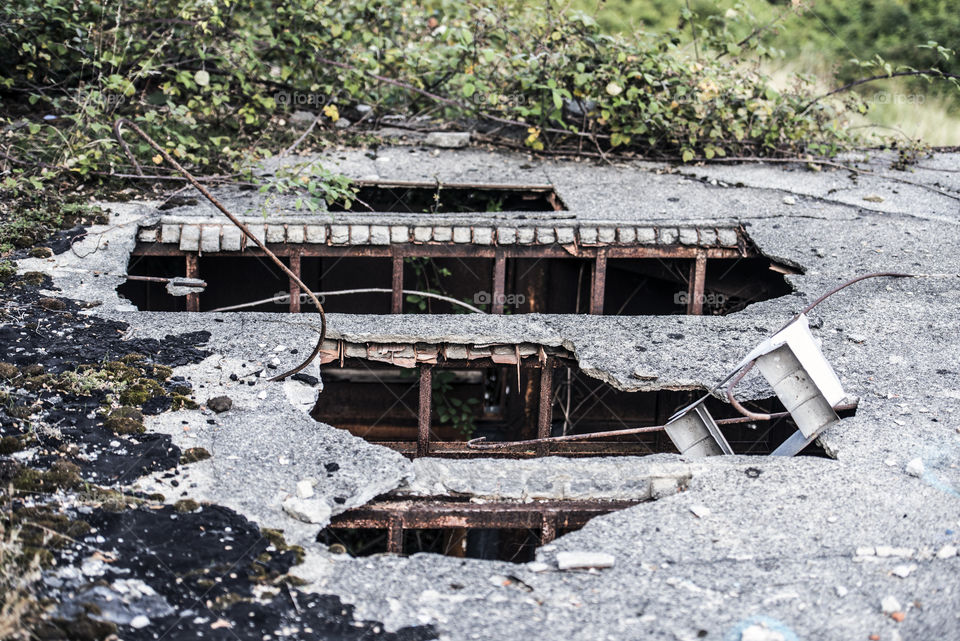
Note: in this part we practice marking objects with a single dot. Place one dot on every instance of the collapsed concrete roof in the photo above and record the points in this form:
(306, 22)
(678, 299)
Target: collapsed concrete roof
(806, 547)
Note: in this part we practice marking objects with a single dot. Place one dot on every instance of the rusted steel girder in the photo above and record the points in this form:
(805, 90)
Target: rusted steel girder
(550, 517)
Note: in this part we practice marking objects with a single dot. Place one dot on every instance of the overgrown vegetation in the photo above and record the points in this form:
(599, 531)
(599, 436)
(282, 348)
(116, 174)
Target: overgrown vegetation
(215, 82)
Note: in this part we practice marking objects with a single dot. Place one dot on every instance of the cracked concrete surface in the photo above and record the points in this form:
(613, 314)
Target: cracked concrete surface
(808, 547)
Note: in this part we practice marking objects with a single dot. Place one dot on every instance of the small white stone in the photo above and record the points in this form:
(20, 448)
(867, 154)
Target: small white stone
(305, 488)
(841, 591)
(582, 560)
(789, 200)
(538, 566)
(947, 552)
(139, 622)
(915, 467)
(865, 551)
(889, 605)
(903, 571)
(307, 510)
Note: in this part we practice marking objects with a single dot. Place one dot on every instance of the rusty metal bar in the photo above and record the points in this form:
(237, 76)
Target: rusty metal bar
(423, 418)
(394, 525)
(698, 276)
(396, 296)
(548, 528)
(192, 271)
(545, 408)
(598, 282)
(499, 278)
(294, 287)
(460, 449)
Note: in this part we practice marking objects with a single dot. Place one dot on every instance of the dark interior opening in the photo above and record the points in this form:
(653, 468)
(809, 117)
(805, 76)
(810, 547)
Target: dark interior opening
(440, 199)
(380, 403)
(514, 545)
(633, 286)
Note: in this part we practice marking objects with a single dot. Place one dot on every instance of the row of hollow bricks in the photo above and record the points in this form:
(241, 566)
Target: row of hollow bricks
(213, 238)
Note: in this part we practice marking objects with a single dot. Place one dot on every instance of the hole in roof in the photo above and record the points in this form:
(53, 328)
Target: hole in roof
(496, 530)
(487, 396)
(534, 280)
(440, 199)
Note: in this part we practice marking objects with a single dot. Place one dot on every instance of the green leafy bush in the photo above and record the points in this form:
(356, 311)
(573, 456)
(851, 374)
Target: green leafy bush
(215, 83)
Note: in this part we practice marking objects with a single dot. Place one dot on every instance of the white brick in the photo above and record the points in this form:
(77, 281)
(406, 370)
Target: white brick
(688, 236)
(295, 234)
(442, 234)
(379, 235)
(190, 238)
(210, 239)
(422, 234)
(359, 234)
(506, 235)
(232, 237)
(646, 235)
(461, 234)
(708, 237)
(170, 234)
(626, 234)
(606, 235)
(667, 236)
(399, 234)
(276, 233)
(525, 235)
(546, 235)
(727, 237)
(316, 234)
(339, 234)
(588, 235)
(147, 235)
(483, 235)
(565, 235)
(258, 232)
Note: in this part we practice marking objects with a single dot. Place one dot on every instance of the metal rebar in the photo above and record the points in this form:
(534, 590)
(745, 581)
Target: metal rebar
(236, 221)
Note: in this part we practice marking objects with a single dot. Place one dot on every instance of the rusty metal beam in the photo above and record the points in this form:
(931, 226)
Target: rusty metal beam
(294, 287)
(430, 250)
(192, 271)
(423, 418)
(397, 515)
(598, 283)
(417, 184)
(396, 297)
(499, 278)
(545, 407)
(698, 275)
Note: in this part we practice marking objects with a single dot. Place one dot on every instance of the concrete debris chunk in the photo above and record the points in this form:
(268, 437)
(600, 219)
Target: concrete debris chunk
(584, 560)
(700, 511)
(947, 552)
(903, 571)
(305, 488)
(307, 510)
(889, 605)
(448, 139)
(915, 467)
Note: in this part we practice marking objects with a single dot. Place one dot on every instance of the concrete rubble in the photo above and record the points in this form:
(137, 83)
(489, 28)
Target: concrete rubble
(731, 547)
